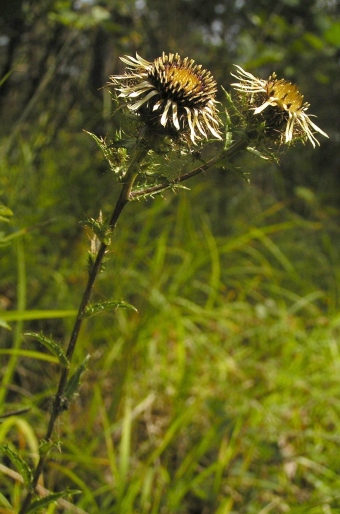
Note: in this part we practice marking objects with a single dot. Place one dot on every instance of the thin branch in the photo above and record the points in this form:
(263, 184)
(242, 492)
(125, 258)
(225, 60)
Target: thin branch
(221, 159)
(57, 406)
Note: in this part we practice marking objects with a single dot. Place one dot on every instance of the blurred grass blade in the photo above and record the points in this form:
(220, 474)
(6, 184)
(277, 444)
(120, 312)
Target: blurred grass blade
(39, 314)
(29, 354)
(125, 443)
(5, 503)
(5, 325)
(5, 213)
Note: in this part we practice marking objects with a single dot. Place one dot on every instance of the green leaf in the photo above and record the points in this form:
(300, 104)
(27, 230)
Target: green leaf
(16, 459)
(228, 97)
(53, 497)
(95, 308)
(53, 347)
(4, 502)
(73, 384)
(115, 153)
(29, 354)
(3, 324)
(314, 41)
(332, 35)
(5, 213)
(100, 229)
(99, 140)
(46, 446)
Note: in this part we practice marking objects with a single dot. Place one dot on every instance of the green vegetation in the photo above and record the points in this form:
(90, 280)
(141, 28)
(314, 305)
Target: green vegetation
(219, 391)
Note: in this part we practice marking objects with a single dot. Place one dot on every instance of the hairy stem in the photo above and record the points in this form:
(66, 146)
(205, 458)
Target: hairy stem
(57, 406)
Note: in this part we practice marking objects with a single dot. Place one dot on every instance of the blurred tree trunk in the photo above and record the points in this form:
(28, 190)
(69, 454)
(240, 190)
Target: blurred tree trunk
(13, 22)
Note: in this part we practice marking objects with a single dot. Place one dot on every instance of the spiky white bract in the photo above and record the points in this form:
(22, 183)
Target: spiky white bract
(285, 98)
(175, 93)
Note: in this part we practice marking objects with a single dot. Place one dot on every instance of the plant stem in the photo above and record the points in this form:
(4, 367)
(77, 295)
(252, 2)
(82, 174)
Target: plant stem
(222, 159)
(57, 406)
(126, 195)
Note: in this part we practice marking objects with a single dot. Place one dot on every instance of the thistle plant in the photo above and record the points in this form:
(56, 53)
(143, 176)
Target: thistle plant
(280, 105)
(170, 108)
(174, 93)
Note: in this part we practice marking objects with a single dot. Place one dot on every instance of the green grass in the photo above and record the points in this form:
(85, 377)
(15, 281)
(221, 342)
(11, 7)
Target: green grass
(221, 395)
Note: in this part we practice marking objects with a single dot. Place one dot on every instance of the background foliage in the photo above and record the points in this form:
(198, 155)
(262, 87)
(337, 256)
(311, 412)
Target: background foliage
(222, 393)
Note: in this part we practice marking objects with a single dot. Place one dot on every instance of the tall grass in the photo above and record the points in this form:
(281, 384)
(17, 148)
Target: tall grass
(221, 394)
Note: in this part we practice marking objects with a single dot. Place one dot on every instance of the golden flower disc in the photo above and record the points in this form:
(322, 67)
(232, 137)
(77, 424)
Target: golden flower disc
(280, 105)
(287, 96)
(182, 78)
(172, 92)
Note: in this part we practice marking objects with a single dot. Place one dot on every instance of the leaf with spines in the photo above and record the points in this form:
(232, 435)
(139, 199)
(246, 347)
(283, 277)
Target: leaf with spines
(53, 347)
(95, 308)
(263, 153)
(101, 229)
(45, 447)
(20, 464)
(115, 152)
(230, 167)
(38, 505)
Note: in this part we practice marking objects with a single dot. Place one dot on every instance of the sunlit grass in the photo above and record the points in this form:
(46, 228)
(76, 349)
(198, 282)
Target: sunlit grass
(221, 394)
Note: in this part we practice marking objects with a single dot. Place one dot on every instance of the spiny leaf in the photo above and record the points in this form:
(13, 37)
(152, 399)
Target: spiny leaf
(175, 187)
(45, 447)
(263, 153)
(115, 153)
(227, 96)
(101, 229)
(104, 306)
(53, 347)
(37, 505)
(16, 459)
(99, 140)
(73, 384)
(238, 171)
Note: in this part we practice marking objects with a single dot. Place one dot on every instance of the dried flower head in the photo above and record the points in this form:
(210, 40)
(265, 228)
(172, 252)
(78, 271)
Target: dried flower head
(281, 107)
(172, 92)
